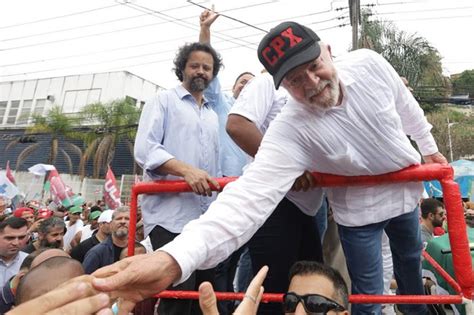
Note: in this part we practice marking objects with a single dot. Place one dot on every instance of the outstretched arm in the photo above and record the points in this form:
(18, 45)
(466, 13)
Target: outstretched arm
(205, 20)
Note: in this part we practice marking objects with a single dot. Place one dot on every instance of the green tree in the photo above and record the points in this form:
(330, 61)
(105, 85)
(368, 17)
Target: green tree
(60, 128)
(411, 55)
(461, 129)
(112, 123)
(464, 84)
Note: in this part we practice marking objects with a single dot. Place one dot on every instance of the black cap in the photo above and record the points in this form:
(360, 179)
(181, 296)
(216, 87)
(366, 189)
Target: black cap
(287, 46)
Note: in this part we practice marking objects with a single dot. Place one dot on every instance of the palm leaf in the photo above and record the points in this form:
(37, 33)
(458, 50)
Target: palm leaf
(68, 160)
(25, 153)
(11, 144)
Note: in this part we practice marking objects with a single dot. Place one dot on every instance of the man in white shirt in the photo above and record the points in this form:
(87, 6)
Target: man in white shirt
(350, 117)
(73, 225)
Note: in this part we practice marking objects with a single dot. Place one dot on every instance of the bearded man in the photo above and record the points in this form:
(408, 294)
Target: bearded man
(50, 235)
(178, 138)
(108, 252)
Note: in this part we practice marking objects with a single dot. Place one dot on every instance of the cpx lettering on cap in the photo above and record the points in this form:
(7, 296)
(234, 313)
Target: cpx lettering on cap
(287, 46)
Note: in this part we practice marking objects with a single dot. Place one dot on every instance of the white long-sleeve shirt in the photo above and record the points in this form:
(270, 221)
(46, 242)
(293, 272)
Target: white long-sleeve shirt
(260, 103)
(365, 135)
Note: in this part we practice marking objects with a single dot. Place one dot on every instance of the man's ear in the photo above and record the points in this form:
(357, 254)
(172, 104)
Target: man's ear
(329, 50)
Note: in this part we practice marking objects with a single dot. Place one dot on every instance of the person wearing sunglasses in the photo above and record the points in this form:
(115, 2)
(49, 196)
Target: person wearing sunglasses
(315, 289)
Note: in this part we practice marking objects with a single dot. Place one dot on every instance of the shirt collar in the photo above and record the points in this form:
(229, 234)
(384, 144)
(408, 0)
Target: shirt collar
(183, 93)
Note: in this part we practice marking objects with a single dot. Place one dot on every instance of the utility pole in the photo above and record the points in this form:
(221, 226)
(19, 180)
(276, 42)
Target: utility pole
(354, 14)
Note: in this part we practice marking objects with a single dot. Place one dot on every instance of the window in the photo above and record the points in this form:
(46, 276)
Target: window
(131, 100)
(3, 109)
(75, 100)
(39, 107)
(24, 117)
(11, 118)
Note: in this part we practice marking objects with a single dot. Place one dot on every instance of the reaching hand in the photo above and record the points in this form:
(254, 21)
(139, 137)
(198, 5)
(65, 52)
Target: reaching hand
(136, 278)
(303, 182)
(435, 158)
(74, 297)
(199, 181)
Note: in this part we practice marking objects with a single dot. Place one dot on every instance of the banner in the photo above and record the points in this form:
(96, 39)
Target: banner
(111, 193)
(7, 188)
(10, 174)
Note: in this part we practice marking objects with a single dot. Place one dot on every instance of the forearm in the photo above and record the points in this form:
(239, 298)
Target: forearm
(244, 133)
(173, 167)
(205, 35)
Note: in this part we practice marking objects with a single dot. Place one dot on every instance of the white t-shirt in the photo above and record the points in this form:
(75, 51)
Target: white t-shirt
(365, 135)
(71, 231)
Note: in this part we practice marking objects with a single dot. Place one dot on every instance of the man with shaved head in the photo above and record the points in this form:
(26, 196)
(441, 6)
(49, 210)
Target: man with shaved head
(47, 276)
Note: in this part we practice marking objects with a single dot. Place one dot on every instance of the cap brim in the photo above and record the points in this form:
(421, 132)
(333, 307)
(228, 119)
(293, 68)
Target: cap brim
(310, 53)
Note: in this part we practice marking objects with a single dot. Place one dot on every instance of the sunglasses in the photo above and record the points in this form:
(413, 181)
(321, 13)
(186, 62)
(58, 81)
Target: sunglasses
(312, 303)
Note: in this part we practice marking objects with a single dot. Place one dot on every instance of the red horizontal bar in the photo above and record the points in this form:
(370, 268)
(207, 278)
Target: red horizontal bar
(356, 298)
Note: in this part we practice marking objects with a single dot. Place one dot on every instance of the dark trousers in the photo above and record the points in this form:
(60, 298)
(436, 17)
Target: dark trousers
(159, 237)
(287, 236)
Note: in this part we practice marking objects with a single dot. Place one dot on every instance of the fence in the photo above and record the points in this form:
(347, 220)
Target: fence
(456, 228)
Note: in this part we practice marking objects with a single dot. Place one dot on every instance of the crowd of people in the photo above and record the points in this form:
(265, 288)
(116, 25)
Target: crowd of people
(306, 112)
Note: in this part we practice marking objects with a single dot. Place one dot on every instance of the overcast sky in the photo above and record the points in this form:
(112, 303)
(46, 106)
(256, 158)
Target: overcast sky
(46, 38)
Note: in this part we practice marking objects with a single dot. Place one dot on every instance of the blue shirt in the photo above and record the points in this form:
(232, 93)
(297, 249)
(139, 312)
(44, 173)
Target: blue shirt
(232, 159)
(172, 125)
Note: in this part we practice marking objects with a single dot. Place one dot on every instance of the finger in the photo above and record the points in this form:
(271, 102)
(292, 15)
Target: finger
(126, 307)
(110, 270)
(109, 279)
(54, 299)
(310, 178)
(206, 189)
(257, 281)
(214, 183)
(304, 184)
(207, 299)
(200, 189)
(90, 305)
(260, 295)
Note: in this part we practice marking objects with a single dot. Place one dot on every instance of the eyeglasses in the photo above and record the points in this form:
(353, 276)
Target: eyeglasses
(312, 303)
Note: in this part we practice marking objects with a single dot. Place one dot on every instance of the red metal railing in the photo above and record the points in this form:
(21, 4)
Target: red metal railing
(456, 229)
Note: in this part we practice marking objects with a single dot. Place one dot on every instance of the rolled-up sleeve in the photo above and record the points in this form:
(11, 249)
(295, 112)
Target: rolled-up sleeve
(149, 150)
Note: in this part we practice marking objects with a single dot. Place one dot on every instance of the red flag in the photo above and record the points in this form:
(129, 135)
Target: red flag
(10, 174)
(61, 192)
(111, 193)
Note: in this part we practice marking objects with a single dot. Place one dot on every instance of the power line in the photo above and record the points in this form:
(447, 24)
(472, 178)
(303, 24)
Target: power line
(162, 41)
(72, 28)
(180, 22)
(59, 17)
(231, 18)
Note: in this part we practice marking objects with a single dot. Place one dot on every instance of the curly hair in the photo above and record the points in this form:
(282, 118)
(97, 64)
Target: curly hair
(185, 51)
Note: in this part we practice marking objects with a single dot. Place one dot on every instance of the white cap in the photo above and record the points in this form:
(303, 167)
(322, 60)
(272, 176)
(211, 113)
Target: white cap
(106, 216)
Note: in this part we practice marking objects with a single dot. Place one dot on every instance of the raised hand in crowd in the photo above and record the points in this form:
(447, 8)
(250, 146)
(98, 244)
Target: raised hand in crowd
(248, 306)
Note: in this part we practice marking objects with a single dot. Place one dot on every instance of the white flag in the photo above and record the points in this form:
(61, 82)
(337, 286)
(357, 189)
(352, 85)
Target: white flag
(7, 188)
